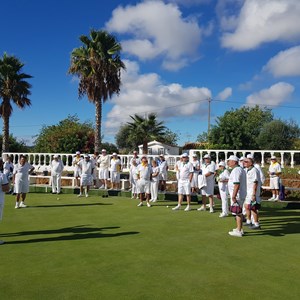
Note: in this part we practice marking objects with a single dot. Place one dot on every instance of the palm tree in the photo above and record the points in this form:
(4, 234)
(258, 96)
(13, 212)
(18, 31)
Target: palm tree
(143, 130)
(13, 88)
(98, 65)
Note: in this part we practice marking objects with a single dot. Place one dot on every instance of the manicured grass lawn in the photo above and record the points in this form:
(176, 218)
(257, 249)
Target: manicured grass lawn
(107, 248)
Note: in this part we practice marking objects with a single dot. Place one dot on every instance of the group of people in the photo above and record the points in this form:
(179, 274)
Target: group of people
(239, 179)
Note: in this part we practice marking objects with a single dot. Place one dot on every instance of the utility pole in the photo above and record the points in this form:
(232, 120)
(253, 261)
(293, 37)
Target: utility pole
(208, 121)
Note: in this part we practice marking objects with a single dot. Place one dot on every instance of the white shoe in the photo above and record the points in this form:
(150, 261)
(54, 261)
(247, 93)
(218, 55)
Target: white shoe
(222, 215)
(23, 205)
(271, 199)
(2, 242)
(140, 204)
(154, 200)
(17, 205)
(188, 208)
(79, 195)
(235, 233)
(151, 200)
(132, 197)
(148, 204)
(137, 197)
(211, 210)
(235, 229)
(86, 195)
(202, 208)
(101, 187)
(277, 198)
(176, 207)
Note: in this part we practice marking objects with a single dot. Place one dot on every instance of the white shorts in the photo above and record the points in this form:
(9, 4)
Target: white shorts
(86, 180)
(184, 187)
(103, 174)
(194, 182)
(21, 186)
(163, 176)
(77, 173)
(115, 176)
(208, 190)
(144, 186)
(274, 183)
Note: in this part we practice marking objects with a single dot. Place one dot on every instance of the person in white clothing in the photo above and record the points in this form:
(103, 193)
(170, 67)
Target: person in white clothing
(86, 177)
(154, 181)
(57, 168)
(103, 163)
(196, 164)
(115, 169)
(21, 180)
(274, 172)
(252, 201)
(8, 168)
(208, 170)
(237, 192)
(133, 178)
(135, 158)
(77, 158)
(94, 159)
(163, 173)
(185, 174)
(4, 188)
(144, 176)
(222, 179)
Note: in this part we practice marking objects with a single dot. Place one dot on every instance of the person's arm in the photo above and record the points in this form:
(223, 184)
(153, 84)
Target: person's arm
(254, 191)
(235, 191)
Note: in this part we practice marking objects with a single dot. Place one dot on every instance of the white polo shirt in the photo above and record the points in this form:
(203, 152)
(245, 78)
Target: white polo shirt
(274, 168)
(115, 165)
(185, 169)
(103, 161)
(144, 172)
(237, 176)
(252, 178)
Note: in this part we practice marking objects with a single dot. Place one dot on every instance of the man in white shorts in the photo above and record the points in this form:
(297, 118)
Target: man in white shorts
(21, 180)
(144, 171)
(4, 189)
(237, 192)
(185, 176)
(115, 169)
(274, 172)
(86, 177)
(252, 201)
(103, 163)
(208, 170)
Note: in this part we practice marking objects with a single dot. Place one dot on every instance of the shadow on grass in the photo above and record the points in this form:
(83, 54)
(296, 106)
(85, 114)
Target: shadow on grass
(78, 233)
(278, 223)
(69, 205)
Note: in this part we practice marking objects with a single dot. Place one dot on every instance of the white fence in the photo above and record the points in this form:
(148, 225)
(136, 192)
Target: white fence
(41, 161)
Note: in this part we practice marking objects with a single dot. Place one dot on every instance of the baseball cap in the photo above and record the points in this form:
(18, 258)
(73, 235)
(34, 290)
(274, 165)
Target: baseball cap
(114, 153)
(55, 156)
(184, 155)
(233, 157)
(241, 158)
(103, 150)
(206, 156)
(195, 155)
(77, 152)
(222, 163)
(250, 156)
(86, 155)
(273, 157)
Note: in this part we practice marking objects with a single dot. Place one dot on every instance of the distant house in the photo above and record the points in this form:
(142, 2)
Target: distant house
(157, 148)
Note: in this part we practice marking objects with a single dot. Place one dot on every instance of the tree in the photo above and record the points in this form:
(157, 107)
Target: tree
(67, 137)
(13, 89)
(15, 145)
(239, 129)
(278, 135)
(169, 137)
(98, 65)
(143, 130)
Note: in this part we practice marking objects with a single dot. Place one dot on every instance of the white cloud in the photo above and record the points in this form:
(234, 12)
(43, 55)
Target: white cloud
(275, 95)
(285, 63)
(190, 2)
(258, 22)
(227, 92)
(158, 29)
(145, 93)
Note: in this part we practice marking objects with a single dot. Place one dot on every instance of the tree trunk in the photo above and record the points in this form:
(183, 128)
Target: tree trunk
(145, 147)
(98, 117)
(5, 134)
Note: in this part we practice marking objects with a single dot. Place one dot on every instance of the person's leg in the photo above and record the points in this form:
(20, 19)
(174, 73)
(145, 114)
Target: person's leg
(53, 183)
(58, 184)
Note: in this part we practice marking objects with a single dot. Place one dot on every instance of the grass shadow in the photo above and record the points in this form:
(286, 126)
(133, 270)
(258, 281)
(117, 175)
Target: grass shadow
(69, 205)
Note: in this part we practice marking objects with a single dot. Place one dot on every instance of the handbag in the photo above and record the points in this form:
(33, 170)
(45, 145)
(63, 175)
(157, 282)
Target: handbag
(236, 209)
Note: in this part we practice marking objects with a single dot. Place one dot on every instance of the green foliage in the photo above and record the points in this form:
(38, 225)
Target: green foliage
(15, 145)
(124, 140)
(67, 137)
(278, 135)
(169, 137)
(239, 128)
(109, 147)
(202, 137)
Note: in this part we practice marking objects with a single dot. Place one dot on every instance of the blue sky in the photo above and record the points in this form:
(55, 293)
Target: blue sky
(178, 53)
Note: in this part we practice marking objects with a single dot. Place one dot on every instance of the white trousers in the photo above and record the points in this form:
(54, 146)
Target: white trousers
(154, 190)
(56, 182)
(223, 190)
